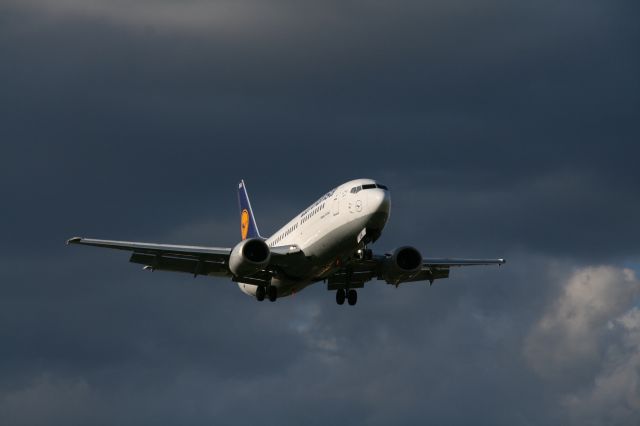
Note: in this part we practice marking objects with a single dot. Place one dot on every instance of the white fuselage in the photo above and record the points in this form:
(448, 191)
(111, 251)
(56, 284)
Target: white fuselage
(329, 232)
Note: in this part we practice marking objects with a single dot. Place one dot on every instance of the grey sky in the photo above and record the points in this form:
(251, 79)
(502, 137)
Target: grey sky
(502, 129)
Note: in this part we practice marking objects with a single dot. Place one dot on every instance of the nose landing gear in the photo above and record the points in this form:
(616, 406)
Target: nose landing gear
(364, 254)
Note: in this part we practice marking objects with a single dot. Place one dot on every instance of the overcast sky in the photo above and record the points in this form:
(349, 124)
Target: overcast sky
(503, 129)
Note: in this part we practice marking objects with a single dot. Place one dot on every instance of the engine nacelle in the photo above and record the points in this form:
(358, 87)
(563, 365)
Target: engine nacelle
(249, 256)
(403, 264)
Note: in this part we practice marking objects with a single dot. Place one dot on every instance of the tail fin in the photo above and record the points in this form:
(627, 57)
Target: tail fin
(248, 226)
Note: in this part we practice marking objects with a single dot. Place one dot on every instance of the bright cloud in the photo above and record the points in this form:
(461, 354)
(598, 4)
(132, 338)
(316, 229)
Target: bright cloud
(589, 341)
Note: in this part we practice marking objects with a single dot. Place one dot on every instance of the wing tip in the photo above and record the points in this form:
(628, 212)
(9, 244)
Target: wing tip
(74, 240)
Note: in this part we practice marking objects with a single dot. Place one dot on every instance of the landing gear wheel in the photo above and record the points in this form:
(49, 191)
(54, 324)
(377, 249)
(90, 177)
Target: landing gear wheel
(352, 297)
(272, 293)
(340, 296)
(260, 293)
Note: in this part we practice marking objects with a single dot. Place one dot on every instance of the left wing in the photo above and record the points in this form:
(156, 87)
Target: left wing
(359, 271)
(438, 268)
(462, 262)
(192, 259)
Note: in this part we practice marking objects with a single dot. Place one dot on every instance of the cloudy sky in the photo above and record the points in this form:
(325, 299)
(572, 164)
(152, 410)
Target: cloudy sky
(502, 128)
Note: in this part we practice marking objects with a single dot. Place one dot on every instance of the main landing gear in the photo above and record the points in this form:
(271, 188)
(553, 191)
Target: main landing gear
(260, 293)
(350, 295)
(270, 291)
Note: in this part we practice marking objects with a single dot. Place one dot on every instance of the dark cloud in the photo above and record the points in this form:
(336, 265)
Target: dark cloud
(502, 130)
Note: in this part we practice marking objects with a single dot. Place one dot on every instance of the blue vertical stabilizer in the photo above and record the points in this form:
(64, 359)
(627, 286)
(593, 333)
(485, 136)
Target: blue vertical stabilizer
(248, 226)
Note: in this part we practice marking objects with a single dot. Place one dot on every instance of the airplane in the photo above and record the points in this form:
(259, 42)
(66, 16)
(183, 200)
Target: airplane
(328, 241)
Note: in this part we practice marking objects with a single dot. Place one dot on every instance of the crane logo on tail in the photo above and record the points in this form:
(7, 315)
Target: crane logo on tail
(244, 223)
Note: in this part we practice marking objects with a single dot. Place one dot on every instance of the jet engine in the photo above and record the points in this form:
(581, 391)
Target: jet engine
(249, 256)
(401, 265)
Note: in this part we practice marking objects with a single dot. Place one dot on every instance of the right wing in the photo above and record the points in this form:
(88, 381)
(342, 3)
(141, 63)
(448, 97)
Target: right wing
(196, 260)
(166, 257)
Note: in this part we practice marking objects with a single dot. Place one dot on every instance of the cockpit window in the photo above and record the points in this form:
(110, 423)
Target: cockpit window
(355, 189)
(373, 185)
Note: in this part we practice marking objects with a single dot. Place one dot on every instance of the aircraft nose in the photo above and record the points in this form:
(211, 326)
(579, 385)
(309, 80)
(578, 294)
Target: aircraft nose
(380, 201)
